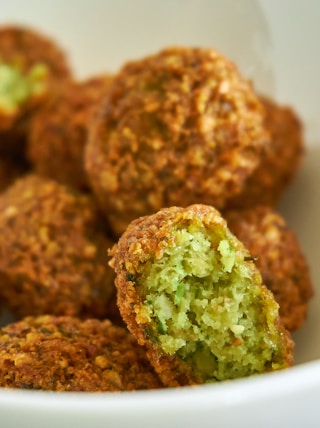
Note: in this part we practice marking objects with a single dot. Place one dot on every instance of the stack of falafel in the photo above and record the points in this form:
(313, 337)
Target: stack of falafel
(141, 245)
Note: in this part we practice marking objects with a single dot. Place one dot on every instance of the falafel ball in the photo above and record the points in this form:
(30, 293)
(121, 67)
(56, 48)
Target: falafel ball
(189, 292)
(279, 258)
(69, 354)
(178, 127)
(280, 161)
(58, 132)
(30, 64)
(53, 251)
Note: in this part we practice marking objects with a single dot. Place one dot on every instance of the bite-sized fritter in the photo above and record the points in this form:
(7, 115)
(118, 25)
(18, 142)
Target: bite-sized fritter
(30, 64)
(67, 354)
(178, 127)
(189, 291)
(53, 251)
(279, 258)
(280, 161)
(59, 131)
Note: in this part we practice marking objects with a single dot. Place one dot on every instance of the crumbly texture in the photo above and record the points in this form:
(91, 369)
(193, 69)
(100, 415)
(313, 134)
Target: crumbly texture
(279, 258)
(189, 292)
(16, 88)
(178, 127)
(30, 64)
(279, 162)
(59, 131)
(53, 251)
(67, 354)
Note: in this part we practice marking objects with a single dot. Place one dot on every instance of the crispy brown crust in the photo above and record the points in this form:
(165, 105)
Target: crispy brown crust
(179, 127)
(28, 47)
(145, 238)
(279, 162)
(66, 354)
(280, 259)
(53, 251)
(59, 131)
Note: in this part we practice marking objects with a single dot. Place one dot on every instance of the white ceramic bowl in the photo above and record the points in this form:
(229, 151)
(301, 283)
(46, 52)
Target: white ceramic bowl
(276, 44)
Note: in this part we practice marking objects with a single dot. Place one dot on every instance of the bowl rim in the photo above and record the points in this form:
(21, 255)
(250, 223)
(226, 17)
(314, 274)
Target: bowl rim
(255, 389)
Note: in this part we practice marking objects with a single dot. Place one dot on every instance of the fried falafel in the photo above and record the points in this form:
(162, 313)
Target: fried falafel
(69, 354)
(189, 291)
(53, 250)
(30, 64)
(178, 127)
(279, 162)
(58, 132)
(279, 258)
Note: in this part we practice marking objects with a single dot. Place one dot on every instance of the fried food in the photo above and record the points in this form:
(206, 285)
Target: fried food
(178, 127)
(280, 161)
(30, 64)
(67, 354)
(189, 291)
(53, 251)
(58, 132)
(279, 258)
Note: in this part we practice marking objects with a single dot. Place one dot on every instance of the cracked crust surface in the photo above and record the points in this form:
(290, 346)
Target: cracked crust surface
(53, 250)
(178, 127)
(24, 48)
(280, 259)
(59, 131)
(189, 291)
(67, 354)
(279, 161)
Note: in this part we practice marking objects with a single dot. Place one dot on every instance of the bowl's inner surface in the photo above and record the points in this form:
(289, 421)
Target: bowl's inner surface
(301, 208)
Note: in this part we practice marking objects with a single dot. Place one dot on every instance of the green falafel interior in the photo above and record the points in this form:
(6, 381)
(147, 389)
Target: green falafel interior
(16, 87)
(204, 303)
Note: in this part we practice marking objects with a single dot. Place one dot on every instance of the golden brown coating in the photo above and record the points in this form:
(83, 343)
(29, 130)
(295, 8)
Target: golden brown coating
(67, 354)
(280, 259)
(280, 161)
(58, 132)
(178, 127)
(189, 291)
(53, 251)
(30, 63)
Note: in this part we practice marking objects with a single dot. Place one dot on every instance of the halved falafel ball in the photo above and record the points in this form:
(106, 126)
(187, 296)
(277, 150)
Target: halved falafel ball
(59, 131)
(177, 127)
(30, 64)
(189, 292)
(53, 251)
(279, 258)
(279, 162)
(69, 354)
